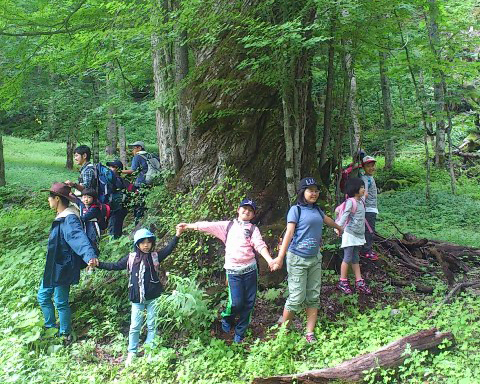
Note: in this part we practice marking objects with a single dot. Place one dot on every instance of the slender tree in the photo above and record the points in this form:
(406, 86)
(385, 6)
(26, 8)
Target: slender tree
(2, 164)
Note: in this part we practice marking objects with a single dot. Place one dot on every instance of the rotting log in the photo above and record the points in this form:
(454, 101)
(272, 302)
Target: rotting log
(389, 356)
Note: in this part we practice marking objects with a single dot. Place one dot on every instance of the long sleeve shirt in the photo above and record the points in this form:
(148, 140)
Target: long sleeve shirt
(239, 244)
(356, 224)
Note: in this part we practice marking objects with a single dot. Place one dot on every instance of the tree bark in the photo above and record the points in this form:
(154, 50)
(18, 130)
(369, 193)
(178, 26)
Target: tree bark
(122, 144)
(327, 115)
(183, 110)
(3, 181)
(389, 356)
(387, 111)
(165, 119)
(112, 130)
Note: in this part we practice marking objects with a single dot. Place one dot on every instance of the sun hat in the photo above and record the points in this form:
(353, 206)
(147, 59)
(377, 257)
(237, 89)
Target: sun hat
(137, 144)
(61, 189)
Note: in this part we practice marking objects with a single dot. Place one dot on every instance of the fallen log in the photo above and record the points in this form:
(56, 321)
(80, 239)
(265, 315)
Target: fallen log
(389, 356)
(418, 287)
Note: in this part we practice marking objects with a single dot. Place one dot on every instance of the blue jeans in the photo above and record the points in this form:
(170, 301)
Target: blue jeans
(242, 292)
(60, 296)
(137, 322)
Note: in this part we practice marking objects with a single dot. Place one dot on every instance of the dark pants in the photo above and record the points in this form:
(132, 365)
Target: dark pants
(115, 225)
(371, 218)
(242, 292)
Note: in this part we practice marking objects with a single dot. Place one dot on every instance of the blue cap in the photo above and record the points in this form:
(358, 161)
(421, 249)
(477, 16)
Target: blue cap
(307, 182)
(141, 234)
(249, 202)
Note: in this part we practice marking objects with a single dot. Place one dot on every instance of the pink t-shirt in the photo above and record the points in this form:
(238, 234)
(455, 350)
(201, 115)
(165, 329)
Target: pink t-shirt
(238, 249)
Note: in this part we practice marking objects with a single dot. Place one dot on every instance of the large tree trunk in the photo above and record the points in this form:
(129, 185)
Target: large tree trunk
(387, 111)
(327, 115)
(163, 76)
(389, 356)
(183, 110)
(2, 164)
(438, 91)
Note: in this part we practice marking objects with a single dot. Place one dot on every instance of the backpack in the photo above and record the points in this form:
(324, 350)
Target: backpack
(104, 182)
(131, 258)
(341, 209)
(352, 170)
(104, 216)
(153, 167)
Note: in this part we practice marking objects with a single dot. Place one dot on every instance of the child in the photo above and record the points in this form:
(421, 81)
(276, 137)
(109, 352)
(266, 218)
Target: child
(143, 283)
(117, 204)
(241, 239)
(90, 214)
(371, 210)
(301, 245)
(353, 237)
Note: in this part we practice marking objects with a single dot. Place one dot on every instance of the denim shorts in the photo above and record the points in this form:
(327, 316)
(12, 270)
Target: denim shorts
(304, 281)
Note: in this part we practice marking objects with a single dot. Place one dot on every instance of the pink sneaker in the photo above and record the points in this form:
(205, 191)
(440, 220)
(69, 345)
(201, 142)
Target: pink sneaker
(310, 337)
(361, 287)
(371, 255)
(344, 287)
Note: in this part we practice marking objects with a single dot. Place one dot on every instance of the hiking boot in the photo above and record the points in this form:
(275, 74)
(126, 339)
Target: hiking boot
(237, 339)
(129, 360)
(226, 327)
(371, 255)
(344, 286)
(310, 337)
(361, 286)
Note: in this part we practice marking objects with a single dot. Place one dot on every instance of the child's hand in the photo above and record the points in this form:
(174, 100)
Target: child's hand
(180, 228)
(339, 232)
(277, 264)
(92, 263)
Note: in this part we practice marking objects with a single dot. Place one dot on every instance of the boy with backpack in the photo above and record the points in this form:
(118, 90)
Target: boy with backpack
(241, 239)
(117, 205)
(92, 216)
(371, 210)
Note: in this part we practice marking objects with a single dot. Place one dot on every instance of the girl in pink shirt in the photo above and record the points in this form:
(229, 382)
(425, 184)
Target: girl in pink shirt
(241, 239)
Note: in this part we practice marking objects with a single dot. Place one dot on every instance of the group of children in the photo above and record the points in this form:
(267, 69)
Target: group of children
(300, 246)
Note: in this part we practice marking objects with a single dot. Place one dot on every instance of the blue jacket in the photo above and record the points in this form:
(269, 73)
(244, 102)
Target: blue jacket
(68, 250)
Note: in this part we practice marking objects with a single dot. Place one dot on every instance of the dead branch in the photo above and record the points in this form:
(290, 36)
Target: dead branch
(457, 289)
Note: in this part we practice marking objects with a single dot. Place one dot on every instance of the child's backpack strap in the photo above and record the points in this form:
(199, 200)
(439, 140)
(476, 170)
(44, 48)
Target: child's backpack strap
(131, 258)
(250, 231)
(229, 226)
(156, 263)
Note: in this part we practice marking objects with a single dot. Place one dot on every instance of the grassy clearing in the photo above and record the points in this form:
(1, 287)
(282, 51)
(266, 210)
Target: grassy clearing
(35, 164)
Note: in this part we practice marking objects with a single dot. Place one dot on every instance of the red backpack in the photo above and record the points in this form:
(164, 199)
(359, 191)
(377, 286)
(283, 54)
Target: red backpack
(104, 216)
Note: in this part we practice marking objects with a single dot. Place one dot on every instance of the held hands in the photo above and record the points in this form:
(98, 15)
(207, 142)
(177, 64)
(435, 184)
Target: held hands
(275, 264)
(180, 228)
(93, 263)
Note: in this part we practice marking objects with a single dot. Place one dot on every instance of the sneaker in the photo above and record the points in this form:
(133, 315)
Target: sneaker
(226, 327)
(237, 339)
(371, 255)
(310, 337)
(130, 357)
(344, 287)
(361, 286)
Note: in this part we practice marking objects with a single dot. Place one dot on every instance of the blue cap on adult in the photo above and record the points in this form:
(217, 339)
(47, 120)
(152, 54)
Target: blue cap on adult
(308, 182)
(248, 202)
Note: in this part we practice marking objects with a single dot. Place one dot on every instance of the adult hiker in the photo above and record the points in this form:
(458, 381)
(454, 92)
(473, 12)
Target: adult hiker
(82, 155)
(143, 163)
(68, 251)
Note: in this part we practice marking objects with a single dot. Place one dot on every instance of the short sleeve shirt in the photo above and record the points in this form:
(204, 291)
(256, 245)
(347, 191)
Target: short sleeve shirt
(308, 231)
(139, 163)
(371, 188)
